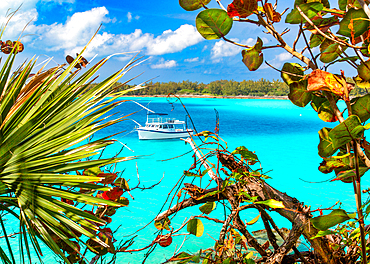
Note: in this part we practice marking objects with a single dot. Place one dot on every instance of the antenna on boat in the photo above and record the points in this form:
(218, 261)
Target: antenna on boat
(143, 106)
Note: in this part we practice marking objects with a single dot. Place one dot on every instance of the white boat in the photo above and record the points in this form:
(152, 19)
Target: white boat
(159, 127)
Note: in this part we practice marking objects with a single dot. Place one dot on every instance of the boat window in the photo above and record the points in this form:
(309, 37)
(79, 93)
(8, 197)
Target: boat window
(160, 126)
(170, 126)
(164, 126)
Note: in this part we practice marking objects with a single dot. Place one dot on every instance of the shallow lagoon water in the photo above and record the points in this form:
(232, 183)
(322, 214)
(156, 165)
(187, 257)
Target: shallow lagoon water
(283, 136)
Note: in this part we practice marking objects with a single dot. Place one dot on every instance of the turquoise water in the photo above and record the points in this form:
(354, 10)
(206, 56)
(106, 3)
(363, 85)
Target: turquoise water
(283, 136)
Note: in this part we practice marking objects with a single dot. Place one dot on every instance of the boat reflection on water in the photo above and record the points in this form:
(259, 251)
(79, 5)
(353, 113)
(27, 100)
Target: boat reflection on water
(158, 126)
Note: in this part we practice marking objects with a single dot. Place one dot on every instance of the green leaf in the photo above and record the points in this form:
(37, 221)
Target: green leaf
(347, 176)
(361, 107)
(326, 147)
(324, 222)
(354, 23)
(213, 23)
(3, 188)
(191, 5)
(245, 153)
(361, 83)
(208, 207)
(332, 52)
(294, 69)
(364, 71)
(253, 57)
(323, 108)
(195, 227)
(316, 40)
(162, 224)
(322, 233)
(298, 94)
(309, 9)
(191, 174)
(346, 131)
(92, 171)
(272, 203)
(329, 164)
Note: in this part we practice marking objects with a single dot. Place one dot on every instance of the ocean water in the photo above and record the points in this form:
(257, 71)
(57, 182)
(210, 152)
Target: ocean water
(284, 136)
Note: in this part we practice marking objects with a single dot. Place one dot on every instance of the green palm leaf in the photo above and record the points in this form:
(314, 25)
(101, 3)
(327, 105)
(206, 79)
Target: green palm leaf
(45, 120)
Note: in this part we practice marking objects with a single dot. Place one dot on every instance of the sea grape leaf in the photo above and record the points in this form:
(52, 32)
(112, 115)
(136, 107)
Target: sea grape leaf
(191, 174)
(246, 154)
(325, 44)
(298, 94)
(271, 13)
(213, 23)
(332, 52)
(354, 23)
(324, 222)
(195, 227)
(316, 40)
(364, 71)
(253, 57)
(309, 9)
(323, 108)
(254, 220)
(181, 256)
(325, 147)
(322, 233)
(346, 131)
(92, 171)
(361, 107)
(122, 183)
(361, 83)
(289, 72)
(242, 8)
(329, 164)
(162, 224)
(365, 49)
(347, 176)
(319, 80)
(207, 207)
(191, 5)
(271, 203)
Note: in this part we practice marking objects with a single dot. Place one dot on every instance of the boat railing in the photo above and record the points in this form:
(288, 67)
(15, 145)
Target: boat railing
(161, 120)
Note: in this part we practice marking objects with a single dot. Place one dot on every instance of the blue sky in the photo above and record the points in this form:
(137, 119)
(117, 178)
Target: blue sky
(161, 30)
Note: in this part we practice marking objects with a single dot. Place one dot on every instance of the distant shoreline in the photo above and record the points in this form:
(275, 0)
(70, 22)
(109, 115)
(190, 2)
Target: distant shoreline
(217, 97)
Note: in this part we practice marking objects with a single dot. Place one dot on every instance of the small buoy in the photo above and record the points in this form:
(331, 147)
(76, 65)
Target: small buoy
(300, 114)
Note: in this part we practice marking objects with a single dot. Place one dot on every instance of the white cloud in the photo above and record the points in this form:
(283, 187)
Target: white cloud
(129, 17)
(164, 64)
(73, 34)
(226, 49)
(168, 42)
(78, 29)
(284, 56)
(192, 59)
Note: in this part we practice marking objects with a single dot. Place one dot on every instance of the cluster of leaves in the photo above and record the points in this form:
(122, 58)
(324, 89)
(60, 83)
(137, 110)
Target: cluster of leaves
(341, 35)
(233, 246)
(111, 188)
(8, 46)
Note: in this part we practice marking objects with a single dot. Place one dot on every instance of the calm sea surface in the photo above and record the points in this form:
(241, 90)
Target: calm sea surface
(283, 136)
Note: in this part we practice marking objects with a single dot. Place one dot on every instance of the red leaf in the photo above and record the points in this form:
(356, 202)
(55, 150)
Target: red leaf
(231, 11)
(68, 201)
(108, 177)
(112, 194)
(164, 241)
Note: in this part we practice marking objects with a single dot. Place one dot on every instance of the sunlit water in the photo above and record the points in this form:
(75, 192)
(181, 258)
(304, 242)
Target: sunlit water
(283, 136)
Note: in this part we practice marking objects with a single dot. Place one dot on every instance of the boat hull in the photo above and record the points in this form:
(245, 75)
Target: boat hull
(155, 134)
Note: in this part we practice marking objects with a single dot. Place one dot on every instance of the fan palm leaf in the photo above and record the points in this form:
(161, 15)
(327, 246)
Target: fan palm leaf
(45, 120)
